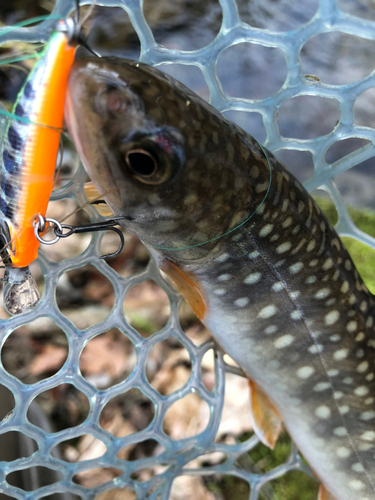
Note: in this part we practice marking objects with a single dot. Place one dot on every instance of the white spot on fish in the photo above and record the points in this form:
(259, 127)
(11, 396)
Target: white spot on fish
(335, 337)
(362, 367)
(219, 291)
(332, 372)
(296, 268)
(368, 436)
(283, 341)
(301, 206)
(295, 295)
(252, 278)
(279, 285)
(367, 415)
(338, 394)
(279, 263)
(266, 230)
(287, 222)
(351, 326)
(365, 446)
(296, 229)
(352, 299)
(323, 412)
(223, 257)
(296, 315)
(348, 265)
(284, 247)
(358, 467)
(348, 380)
(369, 377)
(363, 306)
(267, 311)
(344, 409)
(343, 452)
(322, 293)
(315, 348)
(344, 287)
(330, 302)
(270, 329)
(311, 246)
(305, 372)
(224, 277)
(336, 275)
(356, 485)
(361, 390)
(327, 264)
(310, 280)
(340, 431)
(360, 336)
(369, 321)
(331, 317)
(254, 172)
(285, 205)
(254, 255)
(369, 401)
(322, 386)
(237, 237)
(274, 237)
(313, 263)
(242, 302)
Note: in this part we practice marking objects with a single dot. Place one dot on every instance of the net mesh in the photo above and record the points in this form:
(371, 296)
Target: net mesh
(171, 463)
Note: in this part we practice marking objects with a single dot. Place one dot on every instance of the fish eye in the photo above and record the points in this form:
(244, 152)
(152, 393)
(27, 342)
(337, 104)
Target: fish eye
(141, 163)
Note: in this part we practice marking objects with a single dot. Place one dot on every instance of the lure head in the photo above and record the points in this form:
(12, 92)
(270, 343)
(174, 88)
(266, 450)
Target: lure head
(159, 155)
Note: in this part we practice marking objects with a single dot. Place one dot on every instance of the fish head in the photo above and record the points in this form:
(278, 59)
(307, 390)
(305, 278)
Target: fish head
(161, 157)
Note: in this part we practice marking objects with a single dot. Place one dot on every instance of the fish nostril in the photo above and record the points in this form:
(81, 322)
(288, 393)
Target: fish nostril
(115, 102)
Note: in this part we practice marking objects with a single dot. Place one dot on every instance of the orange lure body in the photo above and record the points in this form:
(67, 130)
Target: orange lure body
(31, 146)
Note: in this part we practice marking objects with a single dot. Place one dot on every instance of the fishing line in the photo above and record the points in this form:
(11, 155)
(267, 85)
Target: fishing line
(239, 225)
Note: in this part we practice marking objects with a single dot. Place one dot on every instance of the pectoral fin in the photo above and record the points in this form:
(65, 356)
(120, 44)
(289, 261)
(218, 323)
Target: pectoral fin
(187, 286)
(324, 494)
(266, 421)
(96, 199)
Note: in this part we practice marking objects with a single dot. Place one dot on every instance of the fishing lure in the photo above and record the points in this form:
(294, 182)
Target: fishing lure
(29, 153)
(251, 252)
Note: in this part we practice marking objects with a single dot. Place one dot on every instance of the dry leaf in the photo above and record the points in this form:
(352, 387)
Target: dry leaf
(50, 359)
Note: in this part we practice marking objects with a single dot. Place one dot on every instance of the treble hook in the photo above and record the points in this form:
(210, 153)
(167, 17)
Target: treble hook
(58, 228)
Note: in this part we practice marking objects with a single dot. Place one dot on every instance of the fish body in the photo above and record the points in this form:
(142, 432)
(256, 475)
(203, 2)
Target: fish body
(28, 160)
(248, 248)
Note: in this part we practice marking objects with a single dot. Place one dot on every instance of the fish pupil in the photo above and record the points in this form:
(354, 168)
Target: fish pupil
(141, 163)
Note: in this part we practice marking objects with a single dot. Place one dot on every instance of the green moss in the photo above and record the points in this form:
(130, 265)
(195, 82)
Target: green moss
(294, 485)
(140, 323)
(265, 459)
(363, 256)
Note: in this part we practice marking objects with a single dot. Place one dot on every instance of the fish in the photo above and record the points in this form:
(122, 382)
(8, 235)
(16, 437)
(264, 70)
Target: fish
(251, 252)
(28, 160)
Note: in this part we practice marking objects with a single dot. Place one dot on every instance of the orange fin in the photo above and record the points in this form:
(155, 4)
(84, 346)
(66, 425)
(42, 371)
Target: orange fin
(92, 195)
(187, 286)
(266, 421)
(324, 494)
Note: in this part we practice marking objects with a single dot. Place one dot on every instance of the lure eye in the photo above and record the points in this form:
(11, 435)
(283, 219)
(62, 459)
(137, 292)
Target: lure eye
(141, 163)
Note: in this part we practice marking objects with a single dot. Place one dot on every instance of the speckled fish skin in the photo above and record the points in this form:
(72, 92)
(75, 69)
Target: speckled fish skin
(282, 295)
